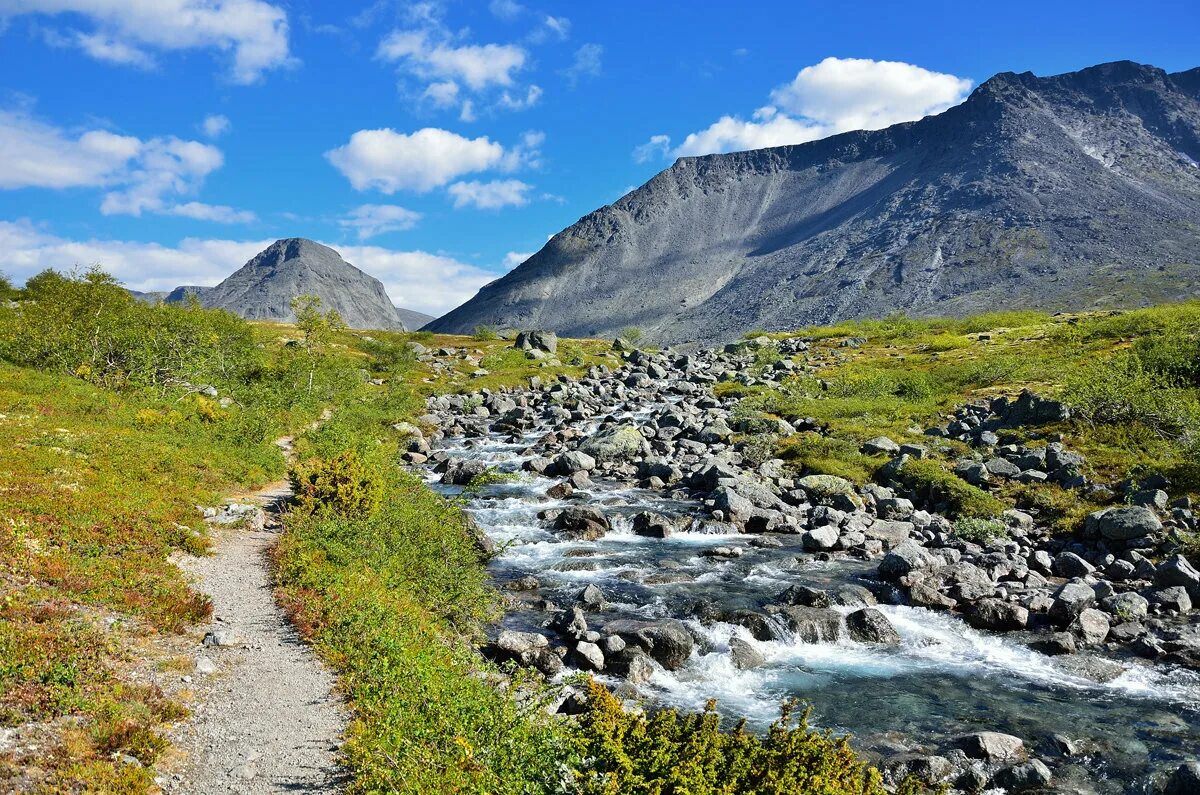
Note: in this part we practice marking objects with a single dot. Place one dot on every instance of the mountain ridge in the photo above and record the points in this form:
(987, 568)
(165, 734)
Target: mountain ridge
(1052, 192)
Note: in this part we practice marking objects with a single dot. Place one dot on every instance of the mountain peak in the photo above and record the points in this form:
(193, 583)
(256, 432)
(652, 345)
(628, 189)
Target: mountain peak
(1062, 192)
(264, 287)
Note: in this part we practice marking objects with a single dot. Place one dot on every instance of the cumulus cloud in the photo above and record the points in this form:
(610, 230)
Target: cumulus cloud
(419, 280)
(140, 175)
(585, 64)
(215, 125)
(830, 97)
(218, 213)
(130, 32)
(506, 9)
(476, 65)
(368, 220)
(389, 161)
(514, 258)
(490, 195)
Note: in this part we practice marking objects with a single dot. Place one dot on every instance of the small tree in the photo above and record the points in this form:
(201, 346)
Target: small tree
(7, 291)
(318, 328)
(631, 335)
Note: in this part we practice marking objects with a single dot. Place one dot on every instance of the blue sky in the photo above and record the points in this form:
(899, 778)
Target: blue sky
(436, 143)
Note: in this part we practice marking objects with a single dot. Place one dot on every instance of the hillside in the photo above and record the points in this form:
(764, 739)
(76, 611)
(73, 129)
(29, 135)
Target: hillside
(1068, 192)
(264, 287)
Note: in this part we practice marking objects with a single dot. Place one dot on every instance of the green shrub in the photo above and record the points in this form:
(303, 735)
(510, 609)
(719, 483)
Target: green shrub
(7, 291)
(672, 752)
(631, 335)
(814, 454)
(938, 485)
(980, 530)
(484, 332)
(342, 485)
(1120, 390)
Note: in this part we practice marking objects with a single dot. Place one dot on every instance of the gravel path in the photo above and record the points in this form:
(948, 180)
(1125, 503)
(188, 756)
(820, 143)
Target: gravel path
(267, 718)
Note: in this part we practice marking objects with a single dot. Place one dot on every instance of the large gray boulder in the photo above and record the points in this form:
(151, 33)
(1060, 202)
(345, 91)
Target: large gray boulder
(617, 442)
(904, 558)
(667, 641)
(992, 746)
(1127, 522)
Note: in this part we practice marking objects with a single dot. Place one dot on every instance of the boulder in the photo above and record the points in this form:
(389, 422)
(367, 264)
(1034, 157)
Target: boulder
(1070, 565)
(830, 490)
(992, 746)
(574, 461)
(1128, 606)
(743, 655)
(820, 538)
(588, 656)
(1176, 570)
(997, 615)
(1184, 780)
(1173, 600)
(880, 445)
(652, 525)
(537, 340)
(1026, 776)
(1127, 522)
(615, 443)
(668, 641)
(813, 624)
(868, 625)
(804, 596)
(1092, 625)
(1071, 600)
(462, 471)
(904, 558)
(582, 523)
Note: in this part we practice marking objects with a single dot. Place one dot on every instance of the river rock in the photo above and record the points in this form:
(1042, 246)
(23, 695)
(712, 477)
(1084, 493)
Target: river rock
(871, 626)
(804, 596)
(668, 641)
(1173, 600)
(820, 538)
(894, 508)
(1127, 522)
(1176, 570)
(588, 656)
(1070, 565)
(926, 769)
(997, 615)
(582, 523)
(633, 664)
(831, 490)
(652, 525)
(1071, 600)
(1026, 776)
(1092, 625)
(462, 471)
(903, 559)
(616, 443)
(573, 461)
(743, 655)
(992, 746)
(1184, 780)
(1128, 606)
(813, 624)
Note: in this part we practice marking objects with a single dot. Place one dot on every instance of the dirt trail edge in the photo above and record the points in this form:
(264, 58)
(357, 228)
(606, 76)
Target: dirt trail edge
(266, 717)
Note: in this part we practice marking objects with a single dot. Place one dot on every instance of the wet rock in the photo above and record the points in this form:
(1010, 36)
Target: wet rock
(733, 505)
(462, 471)
(667, 641)
(813, 624)
(573, 461)
(997, 615)
(924, 595)
(851, 595)
(1058, 643)
(618, 442)
(1126, 523)
(652, 525)
(743, 655)
(1023, 777)
(1172, 600)
(560, 491)
(871, 626)
(1184, 780)
(582, 523)
(761, 626)
(591, 596)
(992, 746)
(927, 769)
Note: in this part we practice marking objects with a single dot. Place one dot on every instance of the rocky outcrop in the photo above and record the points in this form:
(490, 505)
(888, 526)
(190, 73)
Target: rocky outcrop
(1073, 191)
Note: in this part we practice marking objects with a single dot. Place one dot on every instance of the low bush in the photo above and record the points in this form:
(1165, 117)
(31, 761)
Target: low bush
(980, 530)
(939, 486)
(631, 753)
(343, 485)
(484, 333)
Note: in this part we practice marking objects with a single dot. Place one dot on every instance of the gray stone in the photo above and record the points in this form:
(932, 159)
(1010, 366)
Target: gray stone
(871, 626)
(1127, 522)
(997, 615)
(1092, 625)
(588, 656)
(992, 746)
(1026, 776)
(1184, 780)
(904, 558)
(820, 538)
(743, 655)
(1071, 600)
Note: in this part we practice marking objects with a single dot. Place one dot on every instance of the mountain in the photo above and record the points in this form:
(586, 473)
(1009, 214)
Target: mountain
(264, 287)
(413, 319)
(1067, 192)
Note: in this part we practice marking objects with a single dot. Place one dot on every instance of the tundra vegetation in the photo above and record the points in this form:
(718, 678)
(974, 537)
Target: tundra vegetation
(118, 418)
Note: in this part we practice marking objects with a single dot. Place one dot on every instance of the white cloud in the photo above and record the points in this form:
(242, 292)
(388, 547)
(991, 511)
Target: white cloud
(215, 125)
(833, 96)
(506, 9)
(476, 65)
(418, 280)
(514, 258)
(218, 213)
(490, 195)
(368, 220)
(141, 175)
(559, 26)
(585, 64)
(442, 94)
(389, 161)
(658, 146)
(861, 94)
(130, 31)
(518, 102)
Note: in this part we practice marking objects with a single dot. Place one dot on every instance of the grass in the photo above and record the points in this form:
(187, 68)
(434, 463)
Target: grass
(1133, 379)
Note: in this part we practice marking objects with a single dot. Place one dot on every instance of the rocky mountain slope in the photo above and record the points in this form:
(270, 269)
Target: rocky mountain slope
(413, 319)
(1074, 191)
(264, 287)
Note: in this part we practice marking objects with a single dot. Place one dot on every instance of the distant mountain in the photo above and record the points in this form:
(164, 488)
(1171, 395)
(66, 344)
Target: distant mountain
(413, 320)
(264, 287)
(1075, 191)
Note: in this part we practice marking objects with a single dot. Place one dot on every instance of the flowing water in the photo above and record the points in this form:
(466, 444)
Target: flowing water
(944, 679)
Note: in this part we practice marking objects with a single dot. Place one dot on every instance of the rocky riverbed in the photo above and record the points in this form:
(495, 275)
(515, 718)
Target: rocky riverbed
(638, 539)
